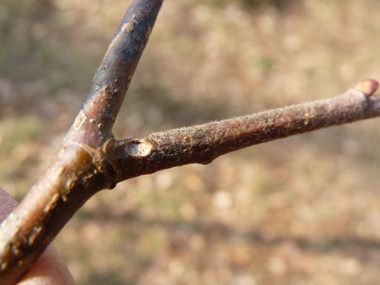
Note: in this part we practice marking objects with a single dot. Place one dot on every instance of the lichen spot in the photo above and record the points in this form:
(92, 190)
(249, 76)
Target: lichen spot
(127, 27)
(140, 149)
(79, 120)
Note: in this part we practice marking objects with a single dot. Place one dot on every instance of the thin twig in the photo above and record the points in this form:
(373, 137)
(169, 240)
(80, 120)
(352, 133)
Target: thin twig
(204, 143)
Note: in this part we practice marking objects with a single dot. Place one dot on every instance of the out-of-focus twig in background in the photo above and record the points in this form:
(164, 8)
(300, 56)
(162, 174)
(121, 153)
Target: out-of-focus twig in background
(303, 209)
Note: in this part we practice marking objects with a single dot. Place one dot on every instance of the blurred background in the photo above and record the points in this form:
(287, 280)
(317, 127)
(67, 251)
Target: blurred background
(302, 210)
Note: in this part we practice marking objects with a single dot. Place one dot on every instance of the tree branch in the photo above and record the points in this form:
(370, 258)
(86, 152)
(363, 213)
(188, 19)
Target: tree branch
(90, 159)
(86, 160)
(204, 143)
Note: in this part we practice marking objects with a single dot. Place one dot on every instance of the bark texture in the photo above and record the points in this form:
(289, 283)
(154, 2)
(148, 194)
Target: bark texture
(90, 159)
(86, 160)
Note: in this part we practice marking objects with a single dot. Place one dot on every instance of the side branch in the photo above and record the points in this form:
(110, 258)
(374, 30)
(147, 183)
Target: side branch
(93, 125)
(204, 143)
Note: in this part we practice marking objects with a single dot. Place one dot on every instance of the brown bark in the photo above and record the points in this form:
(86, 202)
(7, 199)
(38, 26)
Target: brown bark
(90, 159)
(204, 143)
(86, 161)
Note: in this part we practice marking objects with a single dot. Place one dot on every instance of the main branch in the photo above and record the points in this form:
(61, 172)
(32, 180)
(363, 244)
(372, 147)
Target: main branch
(86, 160)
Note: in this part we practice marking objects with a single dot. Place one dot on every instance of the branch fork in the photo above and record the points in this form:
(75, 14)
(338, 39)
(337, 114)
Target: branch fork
(91, 159)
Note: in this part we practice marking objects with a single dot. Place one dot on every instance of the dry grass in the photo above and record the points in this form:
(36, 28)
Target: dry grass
(303, 210)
